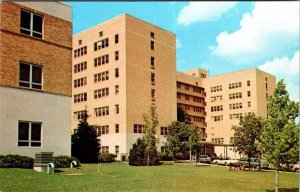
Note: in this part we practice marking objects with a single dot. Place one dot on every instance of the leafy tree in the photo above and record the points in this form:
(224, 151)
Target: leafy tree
(246, 135)
(151, 123)
(280, 136)
(182, 116)
(85, 144)
(182, 137)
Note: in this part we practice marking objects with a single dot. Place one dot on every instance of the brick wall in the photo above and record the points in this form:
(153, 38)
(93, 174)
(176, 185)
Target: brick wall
(53, 52)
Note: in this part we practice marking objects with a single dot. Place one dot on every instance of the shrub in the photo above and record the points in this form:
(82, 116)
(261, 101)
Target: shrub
(164, 157)
(64, 161)
(16, 161)
(107, 158)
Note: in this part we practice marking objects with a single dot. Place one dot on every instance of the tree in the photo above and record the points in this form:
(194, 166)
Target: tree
(137, 156)
(182, 116)
(151, 123)
(182, 137)
(247, 134)
(85, 144)
(280, 136)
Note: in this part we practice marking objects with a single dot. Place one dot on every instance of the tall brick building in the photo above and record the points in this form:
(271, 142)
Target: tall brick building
(35, 78)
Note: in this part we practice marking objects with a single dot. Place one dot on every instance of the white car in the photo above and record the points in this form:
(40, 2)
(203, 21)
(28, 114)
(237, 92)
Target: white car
(225, 161)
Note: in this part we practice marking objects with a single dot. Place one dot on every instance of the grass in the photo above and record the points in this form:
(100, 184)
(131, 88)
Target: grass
(121, 177)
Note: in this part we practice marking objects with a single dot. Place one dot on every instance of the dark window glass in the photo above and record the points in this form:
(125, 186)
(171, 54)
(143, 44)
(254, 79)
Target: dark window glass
(36, 74)
(25, 31)
(25, 20)
(37, 23)
(23, 131)
(35, 132)
(24, 72)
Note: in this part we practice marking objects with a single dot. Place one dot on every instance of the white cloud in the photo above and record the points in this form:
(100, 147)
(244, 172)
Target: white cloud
(270, 29)
(203, 11)
(287, 69)
(178, 44)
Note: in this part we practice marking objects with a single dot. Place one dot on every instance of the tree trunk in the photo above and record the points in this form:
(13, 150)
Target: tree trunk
(276, 180)
(148, 159)
(259, 164)
(190, 155)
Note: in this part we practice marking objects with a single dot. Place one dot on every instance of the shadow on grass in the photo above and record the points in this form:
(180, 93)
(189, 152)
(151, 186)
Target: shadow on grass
(58, 171)
(285, 190)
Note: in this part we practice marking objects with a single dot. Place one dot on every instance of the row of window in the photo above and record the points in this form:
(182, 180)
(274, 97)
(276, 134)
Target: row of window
(101, 111)
(80, 67)
(216, 88)
(235, 116)
(187, 87)
(217, 118)
(235, 85)
(80, 97)
(105, 149)
(187, 97)
(103, 76)
(216, 98)
(235, 95)
(80, 82)
(101, 44)
(235, 106)
(102, 130)
(101, 92)
(104, 59)
(217, 108)
(218, 140)
(80, 51)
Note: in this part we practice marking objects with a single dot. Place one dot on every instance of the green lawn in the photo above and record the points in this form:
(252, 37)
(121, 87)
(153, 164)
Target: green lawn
(121, 177)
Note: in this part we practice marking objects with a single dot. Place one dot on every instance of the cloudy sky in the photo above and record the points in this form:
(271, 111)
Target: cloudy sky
(218, 36)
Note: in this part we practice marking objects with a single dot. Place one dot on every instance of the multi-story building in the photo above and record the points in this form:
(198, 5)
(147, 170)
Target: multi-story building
(35, 82)
(120, 68)
(229, 97)
(191, 96)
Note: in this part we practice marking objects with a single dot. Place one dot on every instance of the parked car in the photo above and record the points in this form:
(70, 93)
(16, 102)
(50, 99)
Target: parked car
(225, 161)
(254, 163)
(204, 159)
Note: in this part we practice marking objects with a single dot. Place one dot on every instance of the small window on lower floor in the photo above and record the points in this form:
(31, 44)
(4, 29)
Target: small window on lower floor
(29, 134)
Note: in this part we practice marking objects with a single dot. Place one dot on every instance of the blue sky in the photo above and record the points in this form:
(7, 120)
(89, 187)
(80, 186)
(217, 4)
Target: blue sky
(218, 36)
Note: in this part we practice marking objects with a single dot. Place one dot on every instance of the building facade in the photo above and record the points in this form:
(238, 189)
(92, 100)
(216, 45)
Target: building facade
(35, 83)
(120, 68)
(191, 96)
(229, 97)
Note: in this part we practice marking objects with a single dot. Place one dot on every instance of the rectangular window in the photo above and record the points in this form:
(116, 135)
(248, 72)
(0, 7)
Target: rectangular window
(116, 38)
(152, 62)
(267, 86)
(249, 103)
(248, 93)
(99, 93)
(103, 76)
(30, 76)
(153, 78)
(152, 35)
(117, 150)
(29, 134)
(100, 33)
(163, 130)
(153, 94)
(80, 82)
(101, 111)
(80, 67)
(116, 55)
(102, 130)
(152, 45)
(117, 72)
(116, 89)
(248, 83)
(104, 149)
(79, 114)
(117, 108)
(31, 24)
(117, 128)
(80, 51)
(138, 128)
(104, 59)
(267, 96)
(101, 44)
(79, 42)
(80, 97)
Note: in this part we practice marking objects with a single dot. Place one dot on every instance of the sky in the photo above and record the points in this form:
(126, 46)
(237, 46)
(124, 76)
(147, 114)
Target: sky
(220, 37)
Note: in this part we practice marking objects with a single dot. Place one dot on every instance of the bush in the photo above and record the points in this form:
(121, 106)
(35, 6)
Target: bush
(64, 161)
(107, 158)
(164, 157)
(16, 161)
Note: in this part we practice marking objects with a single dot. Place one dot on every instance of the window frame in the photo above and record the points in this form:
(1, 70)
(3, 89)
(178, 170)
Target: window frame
(31, 31)
(30, 141)
(30, 76)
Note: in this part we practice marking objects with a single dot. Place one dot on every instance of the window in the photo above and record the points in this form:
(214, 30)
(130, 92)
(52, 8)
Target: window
(116, 38)
(79, 42)
(186, 87)
(249, 103)
(117, 150)
(80, 82)
(103, 76)
(248, 93)
(178, 85)
(101, 111)
(267, 86)
(102, 130)
(178, 96)
(117, 108)
(104, 149)
(163, 130)
(153, 94)
(248, 83)
(216, 88)
(187, 97)
(152, 35)
(79, 114)
(235, 85)
(153, 78)
(31, 24)
(117, 128)
(101, 44)
(80, 51)
(116, 89)
(138, 128)
(152, 45)
(30, 76)
(117, 72)
(267, 96)
(29, 134)
(101, 60)
(203, 75)
(80, 97)
(100, 33)
(80, 67)
(101, 93)
(116, 55)
(152, 62)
